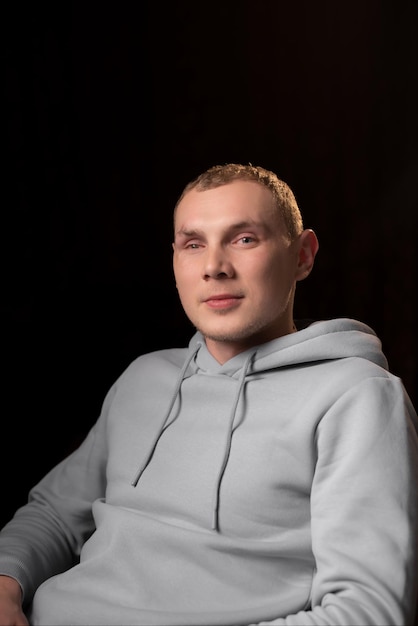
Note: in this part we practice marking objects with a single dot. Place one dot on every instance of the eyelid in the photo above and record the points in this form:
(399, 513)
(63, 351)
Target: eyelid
(183, 240)
(187, 243)
(241, 236)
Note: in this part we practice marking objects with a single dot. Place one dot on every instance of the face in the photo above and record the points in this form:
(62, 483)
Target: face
(235, 267)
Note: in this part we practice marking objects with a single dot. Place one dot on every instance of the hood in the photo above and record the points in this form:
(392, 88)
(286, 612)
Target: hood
(314, 341)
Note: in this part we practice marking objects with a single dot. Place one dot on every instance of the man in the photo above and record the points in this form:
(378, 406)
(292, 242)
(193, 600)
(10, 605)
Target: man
(265, 474)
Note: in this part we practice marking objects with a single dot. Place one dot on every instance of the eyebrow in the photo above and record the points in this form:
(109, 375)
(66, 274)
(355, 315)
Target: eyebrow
(246, 224)
(183, 232)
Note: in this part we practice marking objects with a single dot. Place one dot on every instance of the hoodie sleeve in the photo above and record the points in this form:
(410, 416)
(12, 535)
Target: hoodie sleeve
(364, 510)
(45, 535)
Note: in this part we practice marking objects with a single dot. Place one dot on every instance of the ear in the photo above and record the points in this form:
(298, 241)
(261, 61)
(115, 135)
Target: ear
(307, 248)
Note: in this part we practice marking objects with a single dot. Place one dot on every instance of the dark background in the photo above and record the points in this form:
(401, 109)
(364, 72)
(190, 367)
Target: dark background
(110, 108)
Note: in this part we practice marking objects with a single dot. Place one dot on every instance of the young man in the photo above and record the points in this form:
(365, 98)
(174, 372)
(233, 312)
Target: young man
(265, 474)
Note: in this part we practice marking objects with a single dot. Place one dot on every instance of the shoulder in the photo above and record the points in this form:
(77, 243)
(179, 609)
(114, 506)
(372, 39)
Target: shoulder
(155, 363)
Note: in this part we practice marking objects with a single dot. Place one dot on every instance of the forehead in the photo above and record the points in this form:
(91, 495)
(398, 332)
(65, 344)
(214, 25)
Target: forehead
(238, 200)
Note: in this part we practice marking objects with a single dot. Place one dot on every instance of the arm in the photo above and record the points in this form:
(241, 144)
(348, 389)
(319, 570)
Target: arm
(11, 613)
(364, 511)
(45, 536)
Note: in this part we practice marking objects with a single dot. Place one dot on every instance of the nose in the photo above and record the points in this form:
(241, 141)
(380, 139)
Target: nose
(216, 263)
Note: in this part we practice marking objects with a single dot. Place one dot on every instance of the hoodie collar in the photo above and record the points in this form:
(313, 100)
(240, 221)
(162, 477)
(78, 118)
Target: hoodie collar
(208, 363)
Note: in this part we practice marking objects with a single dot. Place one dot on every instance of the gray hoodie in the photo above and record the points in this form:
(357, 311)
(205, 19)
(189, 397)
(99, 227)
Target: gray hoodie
(279, 488)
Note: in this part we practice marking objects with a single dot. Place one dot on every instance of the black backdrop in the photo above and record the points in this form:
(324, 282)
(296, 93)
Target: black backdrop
(110, 108)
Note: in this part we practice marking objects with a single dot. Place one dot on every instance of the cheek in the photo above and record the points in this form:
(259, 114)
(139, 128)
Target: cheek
(185, 283)
(282, 268)
(274, 279)
(183, 276)
(267, 272)
(179, 272)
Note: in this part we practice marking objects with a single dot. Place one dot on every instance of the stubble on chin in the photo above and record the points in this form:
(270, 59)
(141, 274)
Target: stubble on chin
(242, 333)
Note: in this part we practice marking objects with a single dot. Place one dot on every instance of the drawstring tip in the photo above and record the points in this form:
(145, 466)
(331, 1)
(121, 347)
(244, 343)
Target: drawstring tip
(136, 478)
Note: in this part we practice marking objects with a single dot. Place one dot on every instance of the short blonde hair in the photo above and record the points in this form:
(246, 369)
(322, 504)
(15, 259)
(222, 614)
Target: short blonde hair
(284, 197)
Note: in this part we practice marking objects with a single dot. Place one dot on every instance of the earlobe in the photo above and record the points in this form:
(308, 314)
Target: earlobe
(308, 247)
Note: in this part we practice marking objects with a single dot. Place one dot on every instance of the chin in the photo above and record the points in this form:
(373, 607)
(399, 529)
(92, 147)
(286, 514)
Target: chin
(230, 335)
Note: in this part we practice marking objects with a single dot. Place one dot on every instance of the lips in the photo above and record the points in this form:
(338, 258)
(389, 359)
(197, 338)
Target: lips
(222, 301)
(222, 296)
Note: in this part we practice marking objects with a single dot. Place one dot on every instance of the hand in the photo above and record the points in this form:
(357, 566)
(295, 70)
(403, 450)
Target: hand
(11, 613)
